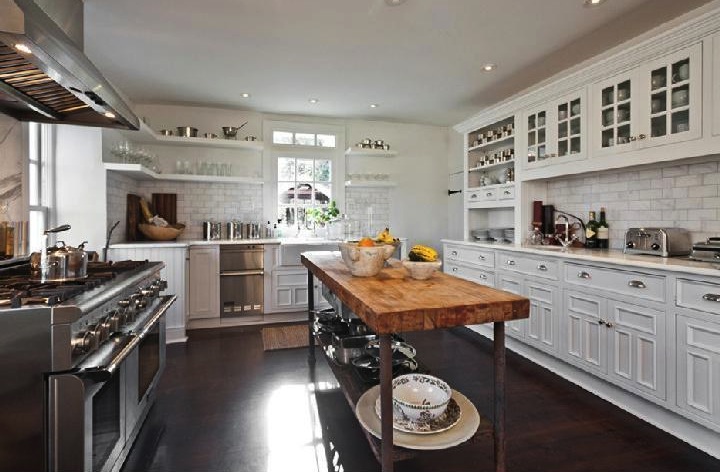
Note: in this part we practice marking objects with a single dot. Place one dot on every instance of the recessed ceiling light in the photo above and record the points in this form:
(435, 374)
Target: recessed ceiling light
(110, 114)
(313, 100)
(374, 105)
(394, 3)
(245, 95)
(23, 48)
(592, 3)
(489, 67)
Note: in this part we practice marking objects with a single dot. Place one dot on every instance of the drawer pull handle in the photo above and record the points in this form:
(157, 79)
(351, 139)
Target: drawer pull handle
(711, 297)
(542, 268)
(608, 324)
(481, 257)
(454, 253)
(489, 194)
(454, 269)
(506, 192)
(510, 263)
(637, 284)
(483, 276)
(584, 275)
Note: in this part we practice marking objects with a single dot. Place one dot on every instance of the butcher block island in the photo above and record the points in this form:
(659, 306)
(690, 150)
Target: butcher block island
(392, 302)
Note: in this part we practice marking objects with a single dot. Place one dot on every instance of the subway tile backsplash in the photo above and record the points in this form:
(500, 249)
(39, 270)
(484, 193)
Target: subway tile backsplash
(370, 206)
(664, 195)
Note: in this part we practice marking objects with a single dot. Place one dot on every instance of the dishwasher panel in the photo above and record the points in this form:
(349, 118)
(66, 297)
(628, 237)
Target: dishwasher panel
(241, 280)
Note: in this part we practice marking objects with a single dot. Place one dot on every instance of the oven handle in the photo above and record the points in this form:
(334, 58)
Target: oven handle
(234, 273)
(103, 374)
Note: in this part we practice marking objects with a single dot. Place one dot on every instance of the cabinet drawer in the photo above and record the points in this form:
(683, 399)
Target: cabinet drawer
(482, 195)
(506, 193)
(544, 268)
(470, 273)
(470, 255)
(702, 296)
(650, 287)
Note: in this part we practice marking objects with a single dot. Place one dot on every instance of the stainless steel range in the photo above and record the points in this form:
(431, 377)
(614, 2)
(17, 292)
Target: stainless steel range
(79, 363)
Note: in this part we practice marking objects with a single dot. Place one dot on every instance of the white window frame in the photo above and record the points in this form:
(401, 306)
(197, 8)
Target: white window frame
(274, 151)
(41, 152)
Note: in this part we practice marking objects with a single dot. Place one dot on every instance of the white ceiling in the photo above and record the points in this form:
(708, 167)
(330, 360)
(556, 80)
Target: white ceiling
(420, 61)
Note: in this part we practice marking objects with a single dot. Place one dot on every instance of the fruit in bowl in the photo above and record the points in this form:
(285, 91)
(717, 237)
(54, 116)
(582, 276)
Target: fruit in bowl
(420, 397)
(422, 262)
(363, 258)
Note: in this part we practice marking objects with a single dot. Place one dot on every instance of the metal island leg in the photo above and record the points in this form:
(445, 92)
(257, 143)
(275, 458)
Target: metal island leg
(499, 358)
(386, 413)
(311, 318)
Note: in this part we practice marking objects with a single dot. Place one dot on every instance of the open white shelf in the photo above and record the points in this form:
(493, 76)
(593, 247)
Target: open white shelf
(370, 183)
(356, 151)
(491, 166)
(507, 140)
(145, 135)
(138, 172)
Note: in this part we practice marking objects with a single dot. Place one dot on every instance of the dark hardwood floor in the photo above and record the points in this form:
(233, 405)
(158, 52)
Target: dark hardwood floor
(225, 405)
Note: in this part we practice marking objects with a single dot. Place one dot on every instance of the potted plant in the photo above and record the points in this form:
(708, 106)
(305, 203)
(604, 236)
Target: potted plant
(323, 215)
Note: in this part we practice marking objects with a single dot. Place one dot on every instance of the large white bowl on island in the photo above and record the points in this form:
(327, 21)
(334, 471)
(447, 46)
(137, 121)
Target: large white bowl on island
(365, 261)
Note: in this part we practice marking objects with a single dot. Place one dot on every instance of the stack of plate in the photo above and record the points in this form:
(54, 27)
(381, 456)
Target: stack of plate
(509, 235)
(480, 235)
(497, 233)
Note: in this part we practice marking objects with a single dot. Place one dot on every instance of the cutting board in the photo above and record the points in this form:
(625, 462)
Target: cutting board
(165, 205)
(133, 216)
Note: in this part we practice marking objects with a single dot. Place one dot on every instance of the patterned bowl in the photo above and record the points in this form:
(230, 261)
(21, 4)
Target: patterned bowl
(365, 261)
(421, 270)
(420, 397)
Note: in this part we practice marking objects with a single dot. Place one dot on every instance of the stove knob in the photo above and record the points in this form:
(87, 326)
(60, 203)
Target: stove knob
(106, 324)
(85, 341)
(630, 245)
(148, 292)
(655, 246)
(117, 319)
(142, 304)
(101, 332)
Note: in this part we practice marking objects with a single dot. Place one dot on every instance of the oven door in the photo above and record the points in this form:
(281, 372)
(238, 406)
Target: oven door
(144, 367)
(86, 414)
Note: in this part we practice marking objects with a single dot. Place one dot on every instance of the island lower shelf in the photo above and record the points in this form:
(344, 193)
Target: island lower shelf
(353, 388)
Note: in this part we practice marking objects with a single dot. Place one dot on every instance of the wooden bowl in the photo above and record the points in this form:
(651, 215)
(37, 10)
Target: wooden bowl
(159, 233)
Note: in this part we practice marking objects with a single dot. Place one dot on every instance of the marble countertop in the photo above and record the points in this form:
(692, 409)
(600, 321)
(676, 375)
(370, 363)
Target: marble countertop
(609, 256)
(202, 242)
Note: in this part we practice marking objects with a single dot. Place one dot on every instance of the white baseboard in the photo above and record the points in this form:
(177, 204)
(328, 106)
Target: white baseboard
(175, 335)
(682, 428)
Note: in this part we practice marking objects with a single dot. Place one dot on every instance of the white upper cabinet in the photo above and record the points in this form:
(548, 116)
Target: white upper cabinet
(556, 131)
(655, 104)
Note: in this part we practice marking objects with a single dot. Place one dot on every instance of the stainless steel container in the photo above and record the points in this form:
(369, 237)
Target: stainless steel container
(212, 230)
(349, 347)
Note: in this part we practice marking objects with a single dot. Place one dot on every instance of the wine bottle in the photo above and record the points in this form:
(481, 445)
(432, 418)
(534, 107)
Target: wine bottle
(603, 231)
(591, 230)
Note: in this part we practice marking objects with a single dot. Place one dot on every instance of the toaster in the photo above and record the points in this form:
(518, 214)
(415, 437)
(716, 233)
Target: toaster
(664, 242)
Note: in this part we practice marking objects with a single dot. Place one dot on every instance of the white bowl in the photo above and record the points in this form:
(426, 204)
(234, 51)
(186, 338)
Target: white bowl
(365, 261)
(421, 270)
(420, 397)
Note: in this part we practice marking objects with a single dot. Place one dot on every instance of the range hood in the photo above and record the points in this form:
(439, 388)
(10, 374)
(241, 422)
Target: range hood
(44, 74)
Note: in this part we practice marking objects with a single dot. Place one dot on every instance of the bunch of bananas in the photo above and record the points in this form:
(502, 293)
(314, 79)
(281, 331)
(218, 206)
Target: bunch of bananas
(420, 253)
(385, 237)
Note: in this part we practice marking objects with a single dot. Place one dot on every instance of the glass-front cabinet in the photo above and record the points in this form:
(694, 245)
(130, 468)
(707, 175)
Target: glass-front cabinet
(555, 132)
(658, 103)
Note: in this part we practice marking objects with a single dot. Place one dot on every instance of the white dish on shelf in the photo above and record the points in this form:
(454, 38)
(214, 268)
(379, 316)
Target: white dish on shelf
(445, 421)
(458, 434)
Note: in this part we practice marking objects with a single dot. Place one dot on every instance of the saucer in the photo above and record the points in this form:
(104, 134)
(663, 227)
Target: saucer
(447, 420)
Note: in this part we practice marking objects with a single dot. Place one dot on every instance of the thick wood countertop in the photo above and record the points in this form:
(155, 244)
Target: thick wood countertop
(392, 302)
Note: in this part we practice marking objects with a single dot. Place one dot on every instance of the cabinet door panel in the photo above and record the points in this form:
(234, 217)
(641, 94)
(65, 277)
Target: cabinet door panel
(698, 368)
(204, 283)
(637, 358)
(585, 341)
(614, 120)
(511, 284)
(672, 98)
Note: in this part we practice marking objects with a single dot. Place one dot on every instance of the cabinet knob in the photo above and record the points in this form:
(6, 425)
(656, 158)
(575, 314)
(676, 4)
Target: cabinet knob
(542, 267)
(483, 276)
(454, 253)
(474, 195)
(510, 263)
(642, 136)
(489, 194)
(636, 284)
(583, 275)
(454, 269)
(711, 297)
(609, 324)
(481, 257)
